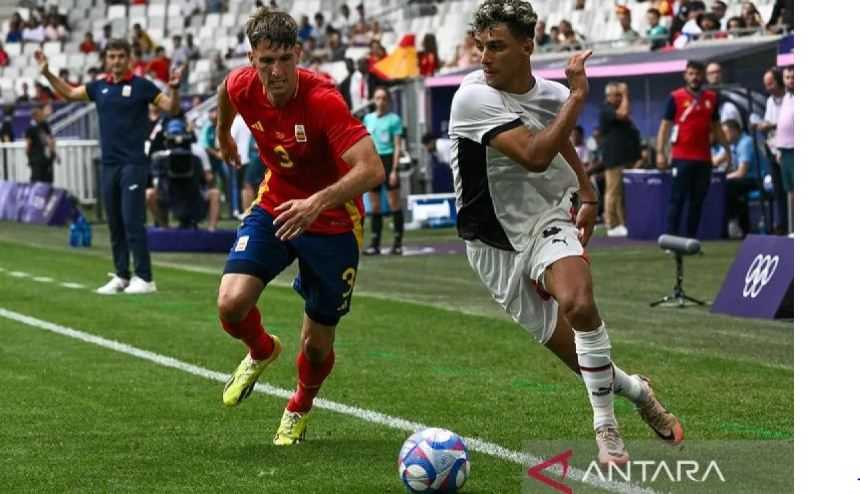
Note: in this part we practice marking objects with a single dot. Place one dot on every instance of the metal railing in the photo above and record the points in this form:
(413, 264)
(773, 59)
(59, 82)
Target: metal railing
(82, 123)
(75, 169)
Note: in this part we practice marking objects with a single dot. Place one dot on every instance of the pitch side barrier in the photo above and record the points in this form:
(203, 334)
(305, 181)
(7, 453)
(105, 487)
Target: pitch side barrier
(74, 171)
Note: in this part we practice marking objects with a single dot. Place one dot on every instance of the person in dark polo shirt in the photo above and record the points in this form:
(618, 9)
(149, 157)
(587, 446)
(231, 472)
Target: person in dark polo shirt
(122, 101)
(694, 113)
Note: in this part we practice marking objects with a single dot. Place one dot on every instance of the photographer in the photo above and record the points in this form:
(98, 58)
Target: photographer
(181, 184)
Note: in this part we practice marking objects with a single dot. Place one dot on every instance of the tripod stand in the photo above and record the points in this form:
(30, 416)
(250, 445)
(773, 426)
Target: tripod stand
(678, 297)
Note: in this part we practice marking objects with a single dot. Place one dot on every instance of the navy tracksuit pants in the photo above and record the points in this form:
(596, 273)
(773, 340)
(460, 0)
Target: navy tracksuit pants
(124, 195)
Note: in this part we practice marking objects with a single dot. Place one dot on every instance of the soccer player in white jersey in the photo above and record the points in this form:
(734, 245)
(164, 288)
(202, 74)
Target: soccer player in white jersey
(517, 179)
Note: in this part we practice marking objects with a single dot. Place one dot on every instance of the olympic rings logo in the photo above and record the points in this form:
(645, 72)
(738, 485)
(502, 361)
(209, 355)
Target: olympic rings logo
(761, 270)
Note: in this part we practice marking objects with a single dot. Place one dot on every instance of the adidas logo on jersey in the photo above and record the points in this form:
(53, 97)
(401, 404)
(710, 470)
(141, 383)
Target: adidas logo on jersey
(258, 126)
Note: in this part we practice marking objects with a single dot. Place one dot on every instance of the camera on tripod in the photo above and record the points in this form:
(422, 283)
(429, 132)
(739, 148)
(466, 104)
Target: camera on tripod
(178, 175)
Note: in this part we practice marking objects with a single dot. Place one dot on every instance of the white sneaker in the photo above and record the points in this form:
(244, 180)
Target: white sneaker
(618, 231)
(138, 286)
(114, 286)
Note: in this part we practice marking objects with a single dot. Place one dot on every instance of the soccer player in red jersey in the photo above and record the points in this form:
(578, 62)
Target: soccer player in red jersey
(319, 161)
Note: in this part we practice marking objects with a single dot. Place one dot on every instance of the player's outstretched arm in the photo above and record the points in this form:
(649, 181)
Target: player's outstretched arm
(226, 114)
(65, 91)
(536, 151)
(366, 171)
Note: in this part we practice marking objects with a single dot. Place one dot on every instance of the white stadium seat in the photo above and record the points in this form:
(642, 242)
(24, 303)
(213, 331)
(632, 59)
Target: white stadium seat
(116, 12)
(52, 47)
(156, 10)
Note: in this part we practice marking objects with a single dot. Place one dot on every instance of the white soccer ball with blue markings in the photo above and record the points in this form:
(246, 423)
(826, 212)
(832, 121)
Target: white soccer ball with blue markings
(433, 461)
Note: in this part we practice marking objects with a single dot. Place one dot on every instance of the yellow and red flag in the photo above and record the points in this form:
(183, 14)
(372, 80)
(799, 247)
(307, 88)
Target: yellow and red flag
(402, 63)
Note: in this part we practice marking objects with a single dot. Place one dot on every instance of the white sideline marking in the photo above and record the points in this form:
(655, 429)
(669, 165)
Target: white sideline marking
(475, 444)
(41, 279)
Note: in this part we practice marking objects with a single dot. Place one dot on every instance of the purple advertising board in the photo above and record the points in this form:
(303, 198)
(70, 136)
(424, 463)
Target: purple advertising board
(760, 282)
(646, 205)
(8, 194)
(177, 240)
(36, 203)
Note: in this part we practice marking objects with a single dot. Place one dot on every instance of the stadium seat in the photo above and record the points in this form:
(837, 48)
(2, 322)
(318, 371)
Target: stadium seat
(76, 60)
(116, 12)
(156, 25)
(212, 20)
(174, 10)
(19, 61)
(30, 49)
(52, 47)
(136, 11)
(13, 50)
(157, 10)
(59, 61)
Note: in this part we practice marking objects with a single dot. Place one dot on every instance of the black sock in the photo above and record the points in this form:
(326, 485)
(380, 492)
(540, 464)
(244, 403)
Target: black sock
(398, 227)
(376, 228)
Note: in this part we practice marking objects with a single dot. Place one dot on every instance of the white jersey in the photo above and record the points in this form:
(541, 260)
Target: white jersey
(499, 202)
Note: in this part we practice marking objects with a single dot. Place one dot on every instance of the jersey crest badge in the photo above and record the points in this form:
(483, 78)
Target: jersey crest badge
(300, 134)
(126, 90)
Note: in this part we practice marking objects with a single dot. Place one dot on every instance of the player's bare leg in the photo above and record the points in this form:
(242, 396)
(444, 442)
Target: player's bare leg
(213, 200)
(314, 363)
(568, 280)
(375, 224)
(237, 309)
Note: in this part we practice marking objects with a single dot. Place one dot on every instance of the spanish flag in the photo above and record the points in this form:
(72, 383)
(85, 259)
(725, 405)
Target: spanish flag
(402, 63)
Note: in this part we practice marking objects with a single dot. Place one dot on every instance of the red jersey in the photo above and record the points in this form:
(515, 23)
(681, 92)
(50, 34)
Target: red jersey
(693, 116)
(301, 144)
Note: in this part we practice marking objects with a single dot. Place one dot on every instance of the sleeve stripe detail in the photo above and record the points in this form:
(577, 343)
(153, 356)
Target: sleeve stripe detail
(492, 133)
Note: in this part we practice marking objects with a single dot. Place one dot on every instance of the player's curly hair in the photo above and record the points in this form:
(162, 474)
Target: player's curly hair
(518, 15)
(275, 26)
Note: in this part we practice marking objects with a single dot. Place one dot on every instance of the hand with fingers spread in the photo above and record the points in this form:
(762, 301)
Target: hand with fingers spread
(41, 61)
(294, 216)
(575, 73)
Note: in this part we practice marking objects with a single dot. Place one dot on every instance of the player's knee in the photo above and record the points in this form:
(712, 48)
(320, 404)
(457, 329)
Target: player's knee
(580, 310)
(317, 351)
(231, 308)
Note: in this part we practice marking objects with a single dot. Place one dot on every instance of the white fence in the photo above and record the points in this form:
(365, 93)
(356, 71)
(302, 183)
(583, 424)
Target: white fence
(75, 171)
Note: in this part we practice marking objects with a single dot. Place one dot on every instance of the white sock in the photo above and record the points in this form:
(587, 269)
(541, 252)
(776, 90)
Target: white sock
(627, 386)
(595, 363)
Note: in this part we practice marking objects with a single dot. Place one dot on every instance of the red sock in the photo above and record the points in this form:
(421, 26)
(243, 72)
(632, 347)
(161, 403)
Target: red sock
(311, 377)
(251, 331)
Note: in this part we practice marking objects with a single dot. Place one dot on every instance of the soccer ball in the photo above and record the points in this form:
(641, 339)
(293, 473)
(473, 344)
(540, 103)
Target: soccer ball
(433, 461)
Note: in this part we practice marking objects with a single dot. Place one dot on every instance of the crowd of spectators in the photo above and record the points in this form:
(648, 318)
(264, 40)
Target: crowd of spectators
(669, 24)
(672, 24)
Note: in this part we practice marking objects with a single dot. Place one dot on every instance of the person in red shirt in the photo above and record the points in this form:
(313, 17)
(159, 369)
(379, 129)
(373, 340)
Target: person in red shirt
(319, 161)
(694, 113)
(88, 45)
(428, 57)
(160, 65)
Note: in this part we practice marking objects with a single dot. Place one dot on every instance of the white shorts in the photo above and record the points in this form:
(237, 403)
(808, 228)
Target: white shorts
(511, 276)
